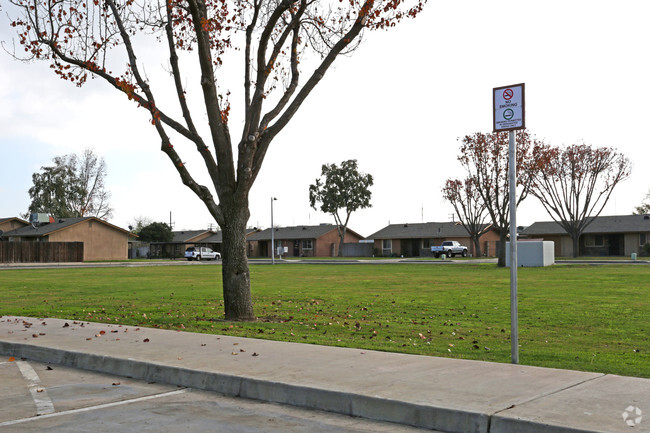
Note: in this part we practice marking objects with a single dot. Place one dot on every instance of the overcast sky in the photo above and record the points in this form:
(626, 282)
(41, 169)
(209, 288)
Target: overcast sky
(398, 106)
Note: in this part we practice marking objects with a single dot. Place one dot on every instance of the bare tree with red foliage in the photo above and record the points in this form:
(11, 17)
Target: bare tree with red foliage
(485, 158)
(575, 183)
(82, 38)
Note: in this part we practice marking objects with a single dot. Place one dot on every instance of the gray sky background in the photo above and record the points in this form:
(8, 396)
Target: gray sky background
(398, 105)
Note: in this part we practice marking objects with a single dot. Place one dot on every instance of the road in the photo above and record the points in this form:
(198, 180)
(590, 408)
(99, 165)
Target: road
(40, 397)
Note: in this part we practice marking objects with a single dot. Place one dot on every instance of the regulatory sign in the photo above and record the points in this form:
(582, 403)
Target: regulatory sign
(508, 108)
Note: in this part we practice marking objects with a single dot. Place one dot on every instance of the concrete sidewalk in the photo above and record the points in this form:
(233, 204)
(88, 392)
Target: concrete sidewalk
(435, 393)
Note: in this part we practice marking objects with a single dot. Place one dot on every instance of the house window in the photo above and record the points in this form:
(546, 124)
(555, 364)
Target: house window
(426, 243)
(308, 244)
(643, 239)
(594, 241)
(387, 247)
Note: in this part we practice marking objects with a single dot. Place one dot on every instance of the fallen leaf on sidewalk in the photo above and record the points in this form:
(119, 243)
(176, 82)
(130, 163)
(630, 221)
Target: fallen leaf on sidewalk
(255, 354)
(66, 325)
(235, 353)
(39, 390)
(49, 368)
(115, 383)
(89, 338)
(242, 350)
(102, 332)
(146, 340)
(35, 335)
(11, 359)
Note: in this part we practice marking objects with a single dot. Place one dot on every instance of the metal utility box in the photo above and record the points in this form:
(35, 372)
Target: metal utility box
(533, 253)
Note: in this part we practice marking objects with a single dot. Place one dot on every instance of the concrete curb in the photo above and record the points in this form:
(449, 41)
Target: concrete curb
(375, 408)
(440, 394)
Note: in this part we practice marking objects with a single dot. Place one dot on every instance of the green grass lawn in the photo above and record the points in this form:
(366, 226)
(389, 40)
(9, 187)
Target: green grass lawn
(593, 318)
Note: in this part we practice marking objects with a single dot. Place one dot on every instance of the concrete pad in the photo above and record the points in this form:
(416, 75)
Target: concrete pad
(594, 406)
(428, 392)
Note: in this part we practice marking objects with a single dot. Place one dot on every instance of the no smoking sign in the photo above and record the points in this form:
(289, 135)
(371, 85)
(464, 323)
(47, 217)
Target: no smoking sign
(508, 108)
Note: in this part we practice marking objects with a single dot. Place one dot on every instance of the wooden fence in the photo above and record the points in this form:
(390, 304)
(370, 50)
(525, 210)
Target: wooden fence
(41, 252)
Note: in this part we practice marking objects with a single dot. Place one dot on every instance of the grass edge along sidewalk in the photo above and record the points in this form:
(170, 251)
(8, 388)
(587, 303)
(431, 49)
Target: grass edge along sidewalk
(573, 317)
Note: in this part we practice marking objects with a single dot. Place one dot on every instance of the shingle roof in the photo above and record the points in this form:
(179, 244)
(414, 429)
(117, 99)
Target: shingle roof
(217, 238)
(59, 224)
(187, 235)
(602, 224)
(296, 232)
(421, 231)
(2, 220)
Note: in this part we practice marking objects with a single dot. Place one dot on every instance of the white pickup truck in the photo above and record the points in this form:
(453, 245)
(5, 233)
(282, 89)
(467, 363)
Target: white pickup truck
(450, 249)
(198, 253)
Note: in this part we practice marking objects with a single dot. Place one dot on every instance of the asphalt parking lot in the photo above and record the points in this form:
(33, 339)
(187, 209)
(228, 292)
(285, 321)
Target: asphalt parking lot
(41, 397)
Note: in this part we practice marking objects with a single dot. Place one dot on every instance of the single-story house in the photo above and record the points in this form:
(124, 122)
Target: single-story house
(102, 240)
(605, 236)
(301, 241)
(11, 223)
(188, 238)
(182, 239)
(416, 239)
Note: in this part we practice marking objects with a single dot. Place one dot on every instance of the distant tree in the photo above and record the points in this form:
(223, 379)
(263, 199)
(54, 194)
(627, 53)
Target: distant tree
(72, 187)
(139, 223)
(485, 159)
(574, 183)
(156, 232)
(644, 208)
(469, 206)
(341, 191)
(281, 50)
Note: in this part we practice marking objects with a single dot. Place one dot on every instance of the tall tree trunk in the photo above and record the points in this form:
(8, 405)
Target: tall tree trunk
(502, 249)
(575, 237)
(341, 242)
(477, 247)
(237, 298)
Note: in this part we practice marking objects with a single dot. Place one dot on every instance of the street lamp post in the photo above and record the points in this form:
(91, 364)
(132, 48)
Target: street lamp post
(272, 233)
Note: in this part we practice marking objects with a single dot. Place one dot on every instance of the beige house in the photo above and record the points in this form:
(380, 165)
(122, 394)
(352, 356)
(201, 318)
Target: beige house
(102, 240)
(9, 224)
(619, 235)
(416, 239)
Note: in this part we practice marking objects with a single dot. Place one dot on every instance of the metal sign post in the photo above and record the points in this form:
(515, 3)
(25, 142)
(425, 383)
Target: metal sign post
(509, 115)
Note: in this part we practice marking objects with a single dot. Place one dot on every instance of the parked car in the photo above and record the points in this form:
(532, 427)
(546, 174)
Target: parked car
(449, 248)
(198, 253)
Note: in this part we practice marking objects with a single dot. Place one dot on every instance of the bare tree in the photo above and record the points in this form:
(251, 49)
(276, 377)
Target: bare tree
(485, 159)
(469, 206)
(93, 197)
(78, 38)
(72, 187)
(575, 183)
